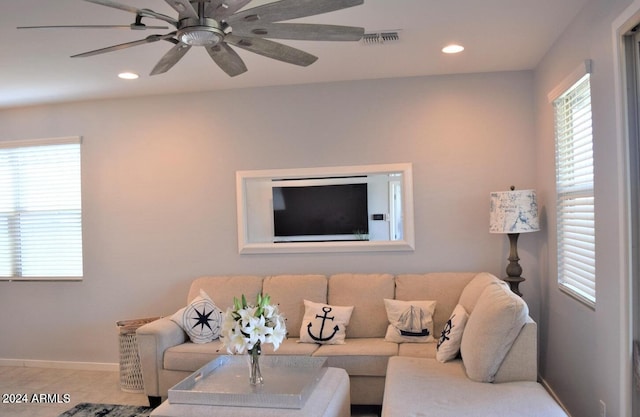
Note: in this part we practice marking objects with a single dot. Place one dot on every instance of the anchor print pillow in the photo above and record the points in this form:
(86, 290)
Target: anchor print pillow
(201, 319)
(451, 336)
(324, 324)
(410, 321)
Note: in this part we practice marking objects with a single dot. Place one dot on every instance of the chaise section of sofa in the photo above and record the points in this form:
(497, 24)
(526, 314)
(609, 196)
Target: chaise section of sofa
(428, 388)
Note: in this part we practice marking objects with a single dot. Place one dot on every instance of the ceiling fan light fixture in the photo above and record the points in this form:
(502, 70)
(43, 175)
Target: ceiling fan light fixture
(200, 37)
(195, 33)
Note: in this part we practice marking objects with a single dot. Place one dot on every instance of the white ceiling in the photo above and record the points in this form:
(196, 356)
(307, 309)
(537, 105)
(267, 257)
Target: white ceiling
(499, 35)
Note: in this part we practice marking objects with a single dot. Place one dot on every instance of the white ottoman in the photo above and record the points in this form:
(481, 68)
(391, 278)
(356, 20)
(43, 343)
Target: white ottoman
(330, 398)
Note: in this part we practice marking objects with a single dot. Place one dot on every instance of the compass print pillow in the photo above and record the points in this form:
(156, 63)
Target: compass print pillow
(201, 319)
(410, 321)
(324, 324)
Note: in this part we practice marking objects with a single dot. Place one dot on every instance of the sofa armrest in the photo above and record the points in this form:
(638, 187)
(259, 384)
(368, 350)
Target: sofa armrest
(153, 339)
(521, 362)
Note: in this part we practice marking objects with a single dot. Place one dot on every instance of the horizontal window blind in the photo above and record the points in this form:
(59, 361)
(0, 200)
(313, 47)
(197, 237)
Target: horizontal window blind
(574, 192)
(40, 209)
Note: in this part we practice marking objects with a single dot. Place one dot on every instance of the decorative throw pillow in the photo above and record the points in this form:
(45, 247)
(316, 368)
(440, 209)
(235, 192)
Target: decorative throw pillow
(201, 319)
(492, 328)
(324, 324)
(451, 336)
(410, 321)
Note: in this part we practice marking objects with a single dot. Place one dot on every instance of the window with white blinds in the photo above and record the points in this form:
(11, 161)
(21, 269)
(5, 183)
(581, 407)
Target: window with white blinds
(40, 210)
(574, 192)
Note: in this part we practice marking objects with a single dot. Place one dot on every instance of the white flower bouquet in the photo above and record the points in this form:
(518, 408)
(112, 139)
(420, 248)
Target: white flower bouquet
(248, 326)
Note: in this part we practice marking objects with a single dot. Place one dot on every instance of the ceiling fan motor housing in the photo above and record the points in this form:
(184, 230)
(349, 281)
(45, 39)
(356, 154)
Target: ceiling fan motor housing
(200, 32)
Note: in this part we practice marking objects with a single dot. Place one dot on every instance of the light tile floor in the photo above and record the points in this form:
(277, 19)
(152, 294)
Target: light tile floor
(80, 386)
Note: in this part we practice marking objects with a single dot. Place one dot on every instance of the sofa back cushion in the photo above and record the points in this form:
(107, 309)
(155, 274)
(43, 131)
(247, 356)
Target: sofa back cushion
(366, 293)
(222, 288)
(443, 287)
(493, 326)
(289, 293)
(476, 286)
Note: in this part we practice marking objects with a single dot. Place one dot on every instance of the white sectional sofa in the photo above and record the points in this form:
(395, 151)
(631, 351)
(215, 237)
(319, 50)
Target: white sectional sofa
(378, 369)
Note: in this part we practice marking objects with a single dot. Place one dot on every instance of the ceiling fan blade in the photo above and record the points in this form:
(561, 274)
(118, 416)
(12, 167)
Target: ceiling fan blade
(221, 9)
(227, 59)
(148, 39)
(273, 50)
(138, 27)
(291, 9)
(299, 31)
(184, 8)
(134, 10)
(115, 5)
(170, 58)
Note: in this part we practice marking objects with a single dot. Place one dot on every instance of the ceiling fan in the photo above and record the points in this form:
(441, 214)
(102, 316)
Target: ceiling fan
(217, 25)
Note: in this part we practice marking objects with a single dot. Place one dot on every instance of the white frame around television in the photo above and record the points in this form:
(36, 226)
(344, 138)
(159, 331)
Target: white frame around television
(248, 214)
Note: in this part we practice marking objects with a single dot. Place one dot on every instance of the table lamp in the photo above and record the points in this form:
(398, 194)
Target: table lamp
(513, 212)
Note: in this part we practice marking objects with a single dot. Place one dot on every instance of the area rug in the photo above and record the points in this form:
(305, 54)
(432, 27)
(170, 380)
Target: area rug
(107, 410)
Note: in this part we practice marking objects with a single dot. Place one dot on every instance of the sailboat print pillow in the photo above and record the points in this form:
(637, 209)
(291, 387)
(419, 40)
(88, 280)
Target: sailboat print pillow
(410, 321)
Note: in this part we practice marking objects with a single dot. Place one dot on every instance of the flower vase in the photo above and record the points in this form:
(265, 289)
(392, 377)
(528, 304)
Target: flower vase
(255, 376)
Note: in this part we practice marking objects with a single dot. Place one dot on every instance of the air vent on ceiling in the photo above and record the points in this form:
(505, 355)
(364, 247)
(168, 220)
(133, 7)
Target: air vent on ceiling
(381, 37)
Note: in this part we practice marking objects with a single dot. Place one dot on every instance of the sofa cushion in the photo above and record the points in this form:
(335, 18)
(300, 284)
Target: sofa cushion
(492, 327)
(426, 387)
(417, 350)
(365, 292)
(291, 346)
(190, 357)
(444, 287)
(324, 324)
(361, 356)
(451, 336)
(471, 292)
(200, 319)
(409, 321)
(289, 292)
(222, 289)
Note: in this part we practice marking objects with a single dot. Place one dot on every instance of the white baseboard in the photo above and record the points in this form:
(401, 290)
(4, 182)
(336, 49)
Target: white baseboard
(553, 394)
(80, 366)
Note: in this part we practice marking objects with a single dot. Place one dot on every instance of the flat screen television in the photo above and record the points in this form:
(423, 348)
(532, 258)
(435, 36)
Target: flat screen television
(326, 212)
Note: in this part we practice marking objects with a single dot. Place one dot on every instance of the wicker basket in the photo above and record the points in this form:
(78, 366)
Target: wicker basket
(130, 372)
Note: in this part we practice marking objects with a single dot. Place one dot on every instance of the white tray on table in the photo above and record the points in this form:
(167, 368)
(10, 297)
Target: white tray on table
(288, 382)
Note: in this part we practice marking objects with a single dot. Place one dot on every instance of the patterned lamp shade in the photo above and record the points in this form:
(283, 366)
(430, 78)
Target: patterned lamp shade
(514, 211)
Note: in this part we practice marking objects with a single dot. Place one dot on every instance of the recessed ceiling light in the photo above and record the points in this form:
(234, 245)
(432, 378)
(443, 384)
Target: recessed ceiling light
(128, 75)
(453, 49)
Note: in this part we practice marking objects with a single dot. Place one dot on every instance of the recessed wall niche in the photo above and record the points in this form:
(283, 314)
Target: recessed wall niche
(328, 209)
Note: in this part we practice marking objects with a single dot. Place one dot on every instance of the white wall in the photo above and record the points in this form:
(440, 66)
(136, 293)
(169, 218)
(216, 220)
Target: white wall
(159, 190)
(582, 350)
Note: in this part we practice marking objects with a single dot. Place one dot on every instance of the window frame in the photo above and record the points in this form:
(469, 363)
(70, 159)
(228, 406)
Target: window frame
(575, 193)
(57, 219)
